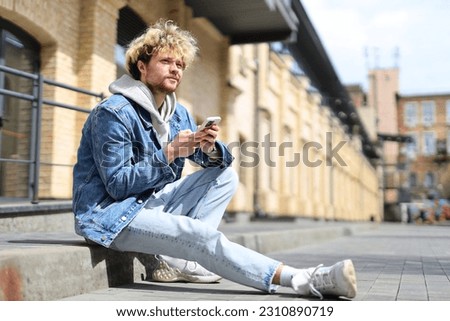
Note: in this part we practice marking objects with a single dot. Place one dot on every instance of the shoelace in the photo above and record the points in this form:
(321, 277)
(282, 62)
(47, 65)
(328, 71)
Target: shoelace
(311, 285)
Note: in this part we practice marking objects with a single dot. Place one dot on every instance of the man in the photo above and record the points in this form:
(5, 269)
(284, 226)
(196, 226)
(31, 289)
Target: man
(129, 194)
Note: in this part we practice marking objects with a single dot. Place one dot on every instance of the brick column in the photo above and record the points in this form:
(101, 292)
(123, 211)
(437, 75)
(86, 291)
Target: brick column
(94, 69)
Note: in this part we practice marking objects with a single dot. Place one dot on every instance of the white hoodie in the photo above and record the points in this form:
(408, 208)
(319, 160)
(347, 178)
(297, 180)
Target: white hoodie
(141, 94)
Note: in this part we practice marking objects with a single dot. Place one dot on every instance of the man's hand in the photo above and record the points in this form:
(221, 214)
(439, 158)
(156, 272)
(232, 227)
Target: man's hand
(208, 138)
(186, 142)
(183, 145)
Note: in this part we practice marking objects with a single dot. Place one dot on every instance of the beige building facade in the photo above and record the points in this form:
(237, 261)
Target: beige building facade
(383, 88)
(292, 154)
(296, 174)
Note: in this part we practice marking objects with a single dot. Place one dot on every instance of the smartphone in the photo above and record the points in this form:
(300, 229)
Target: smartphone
(209, 122)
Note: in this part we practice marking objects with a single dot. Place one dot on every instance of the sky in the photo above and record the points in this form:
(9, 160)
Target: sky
(413, 35)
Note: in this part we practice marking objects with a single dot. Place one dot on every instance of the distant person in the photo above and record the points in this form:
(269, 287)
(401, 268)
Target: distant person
(129, 193)
(438, 209)
(425, 212)
(409, 214)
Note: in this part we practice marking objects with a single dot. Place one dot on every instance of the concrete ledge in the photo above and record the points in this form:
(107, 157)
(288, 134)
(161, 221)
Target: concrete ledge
(266, 242)
(36, 222)
(27, 208)
(24, 217)
(271, 241)
(49, 266)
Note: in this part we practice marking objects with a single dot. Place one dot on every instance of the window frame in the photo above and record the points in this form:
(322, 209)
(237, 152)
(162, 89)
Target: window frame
(447, 110)
(428, 107)
(409, 108)
(425, 144)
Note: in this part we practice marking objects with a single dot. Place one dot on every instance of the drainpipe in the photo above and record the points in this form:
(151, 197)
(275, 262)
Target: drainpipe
(256, 203)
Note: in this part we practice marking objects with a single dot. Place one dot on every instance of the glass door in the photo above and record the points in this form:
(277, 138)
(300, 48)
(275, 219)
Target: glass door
(16, 115)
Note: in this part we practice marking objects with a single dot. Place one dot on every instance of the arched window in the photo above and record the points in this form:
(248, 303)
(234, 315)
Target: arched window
(129, 26)
(20, 51)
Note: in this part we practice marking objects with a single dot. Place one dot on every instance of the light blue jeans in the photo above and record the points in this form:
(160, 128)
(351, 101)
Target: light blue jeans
(181, 221)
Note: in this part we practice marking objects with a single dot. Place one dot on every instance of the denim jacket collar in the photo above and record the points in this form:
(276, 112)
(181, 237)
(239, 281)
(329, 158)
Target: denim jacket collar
(146, 119)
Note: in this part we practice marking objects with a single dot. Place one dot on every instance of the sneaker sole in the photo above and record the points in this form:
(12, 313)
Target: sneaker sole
(160, 276)
(350, 278)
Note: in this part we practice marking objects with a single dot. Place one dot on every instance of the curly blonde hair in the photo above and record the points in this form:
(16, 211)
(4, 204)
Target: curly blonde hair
(163, 36)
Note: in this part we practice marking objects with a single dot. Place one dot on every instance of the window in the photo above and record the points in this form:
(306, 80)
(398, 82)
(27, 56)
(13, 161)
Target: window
(441, 146)
(429, 143)
(412, 148)
(411, 114)
(243, 169)
(429, 180)
(289, 174)
(448, 142)
(428, 113)
(447, 110)
(20, 51)
(412, 180)
(129, 26)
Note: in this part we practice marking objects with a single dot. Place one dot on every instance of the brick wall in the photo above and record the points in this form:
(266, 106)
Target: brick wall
(422, 164)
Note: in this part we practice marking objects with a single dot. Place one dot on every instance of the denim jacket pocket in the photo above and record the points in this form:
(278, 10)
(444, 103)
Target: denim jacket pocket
(102, 213)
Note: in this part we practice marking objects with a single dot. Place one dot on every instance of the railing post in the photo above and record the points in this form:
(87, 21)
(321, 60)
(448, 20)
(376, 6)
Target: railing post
(37, 151)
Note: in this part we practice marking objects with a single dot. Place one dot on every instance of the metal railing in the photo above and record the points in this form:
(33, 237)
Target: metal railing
(38, 101)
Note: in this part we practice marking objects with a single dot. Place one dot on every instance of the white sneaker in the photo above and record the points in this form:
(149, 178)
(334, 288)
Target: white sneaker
(336, 280)
(178, 270)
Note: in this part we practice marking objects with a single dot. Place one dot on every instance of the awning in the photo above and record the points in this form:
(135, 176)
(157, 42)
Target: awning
(248, 21)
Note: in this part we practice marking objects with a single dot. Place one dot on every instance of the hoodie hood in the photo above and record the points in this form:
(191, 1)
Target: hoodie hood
(141, 94)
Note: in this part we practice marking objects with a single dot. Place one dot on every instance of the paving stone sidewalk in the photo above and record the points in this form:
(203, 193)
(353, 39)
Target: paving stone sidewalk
(394, 262)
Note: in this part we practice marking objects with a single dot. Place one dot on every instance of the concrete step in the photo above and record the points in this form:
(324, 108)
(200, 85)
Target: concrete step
(45, 265)
(48, 216)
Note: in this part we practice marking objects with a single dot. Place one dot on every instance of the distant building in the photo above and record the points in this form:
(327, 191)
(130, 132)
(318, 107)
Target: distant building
(414, 135)
(378, 110)
(383, 87)
(424, 162)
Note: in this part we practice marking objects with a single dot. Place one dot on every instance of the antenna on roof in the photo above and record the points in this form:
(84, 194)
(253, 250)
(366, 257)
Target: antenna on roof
(366, 57)
(396, 56)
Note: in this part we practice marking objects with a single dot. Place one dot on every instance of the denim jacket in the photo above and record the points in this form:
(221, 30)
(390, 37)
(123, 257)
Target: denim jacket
(120, 163)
